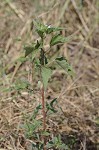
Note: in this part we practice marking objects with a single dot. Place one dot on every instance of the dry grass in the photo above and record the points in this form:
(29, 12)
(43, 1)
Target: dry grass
(78, 98)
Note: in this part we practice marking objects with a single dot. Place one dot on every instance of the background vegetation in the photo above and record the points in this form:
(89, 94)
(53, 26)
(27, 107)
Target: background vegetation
(77, 119)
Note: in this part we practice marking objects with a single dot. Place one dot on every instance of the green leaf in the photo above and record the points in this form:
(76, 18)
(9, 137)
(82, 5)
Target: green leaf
(32, 49)
(40, 28)
(53, 101)
(22, 59)
(50, 106)
(49, 144)
(57, 39)
(97, 121)
(6, 89)
(56, 143)
(46, 74)
(45, 133)
(28, 50)
(38, 44)
(53, 29)
(32, 127)
(63, 63)
(36, 111)
(37, 63)
(21, 85)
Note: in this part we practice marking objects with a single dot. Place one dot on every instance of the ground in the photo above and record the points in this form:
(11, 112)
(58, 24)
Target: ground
(78, 98)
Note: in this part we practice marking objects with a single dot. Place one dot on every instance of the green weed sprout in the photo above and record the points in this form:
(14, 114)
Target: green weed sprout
(42, 63)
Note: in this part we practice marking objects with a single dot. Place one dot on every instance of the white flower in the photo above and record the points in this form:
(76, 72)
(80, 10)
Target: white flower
(49, 26)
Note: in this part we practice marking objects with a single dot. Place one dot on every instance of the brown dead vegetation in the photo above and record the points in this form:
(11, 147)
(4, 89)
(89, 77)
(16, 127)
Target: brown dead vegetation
(78, 98)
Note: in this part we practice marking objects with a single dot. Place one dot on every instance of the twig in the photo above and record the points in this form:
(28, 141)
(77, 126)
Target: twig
(43, 109)
(63, 11)
(80, 16)
(44, 115)
(16, 11)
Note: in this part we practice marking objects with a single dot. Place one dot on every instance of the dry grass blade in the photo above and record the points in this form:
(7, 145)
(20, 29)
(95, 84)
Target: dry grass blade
(77, 119)
(19, 13)
(80, 16)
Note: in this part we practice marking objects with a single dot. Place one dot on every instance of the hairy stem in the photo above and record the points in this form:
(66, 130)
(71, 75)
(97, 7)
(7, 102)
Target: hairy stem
(44, 115)
(42, 61)
(43, 110)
